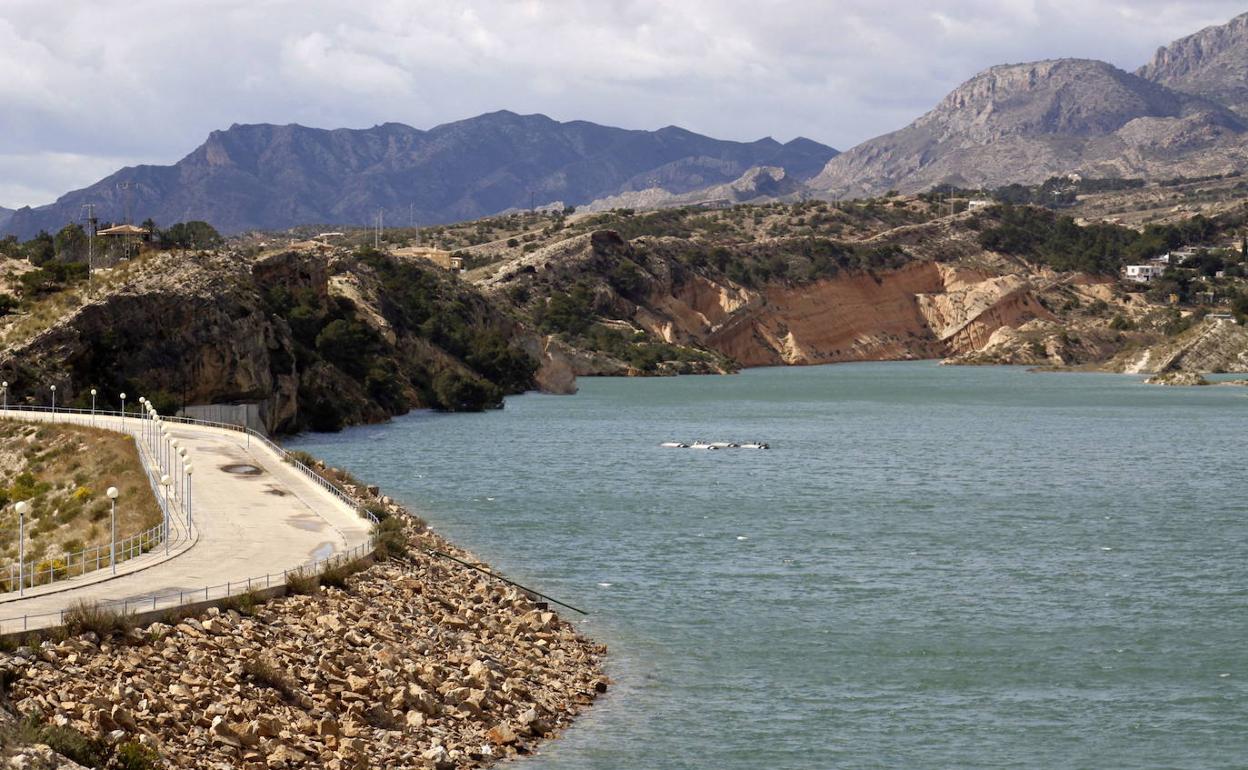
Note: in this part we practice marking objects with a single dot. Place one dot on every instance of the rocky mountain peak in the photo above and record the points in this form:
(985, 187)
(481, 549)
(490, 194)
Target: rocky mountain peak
(1065, 97)
(1212, 63)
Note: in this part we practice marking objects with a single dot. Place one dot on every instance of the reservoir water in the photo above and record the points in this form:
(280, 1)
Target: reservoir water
(933, 567)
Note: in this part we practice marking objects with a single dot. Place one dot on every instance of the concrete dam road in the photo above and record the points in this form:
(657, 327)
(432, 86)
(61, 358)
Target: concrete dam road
(253, 515)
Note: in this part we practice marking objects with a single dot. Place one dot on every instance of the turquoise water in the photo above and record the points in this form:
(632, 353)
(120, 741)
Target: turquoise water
(932, 567)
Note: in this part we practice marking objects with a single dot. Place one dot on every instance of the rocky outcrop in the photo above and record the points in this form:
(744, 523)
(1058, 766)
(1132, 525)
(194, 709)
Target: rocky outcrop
(1026, 122)
(944, 297)
(764, 183)
(317, 340)
(1212, 63)
(1208, 347)
(425, 664)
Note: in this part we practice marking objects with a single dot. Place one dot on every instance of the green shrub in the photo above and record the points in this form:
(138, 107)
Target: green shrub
(391, 537)
(133, 755)
(244, 603)
(72, 744)
(335, 575)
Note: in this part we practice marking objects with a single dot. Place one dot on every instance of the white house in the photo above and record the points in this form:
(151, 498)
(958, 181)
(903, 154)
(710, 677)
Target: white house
(1144, 273)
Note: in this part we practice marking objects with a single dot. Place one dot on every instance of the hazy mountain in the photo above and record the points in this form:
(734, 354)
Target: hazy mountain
(274, 177)
(5, 216)
(1026, 122)
(764, 183)
(1211, 63)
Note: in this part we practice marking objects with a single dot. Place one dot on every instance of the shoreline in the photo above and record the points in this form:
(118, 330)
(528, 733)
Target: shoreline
(414, 662)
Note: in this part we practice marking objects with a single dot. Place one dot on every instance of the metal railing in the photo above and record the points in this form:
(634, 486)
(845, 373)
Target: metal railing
(41, 570)
(285, 456)
(47, 570)
(172, 600)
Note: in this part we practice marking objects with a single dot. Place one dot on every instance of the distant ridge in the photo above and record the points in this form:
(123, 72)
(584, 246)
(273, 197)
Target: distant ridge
(1026, 122)
(273, 177)
(1212, 63)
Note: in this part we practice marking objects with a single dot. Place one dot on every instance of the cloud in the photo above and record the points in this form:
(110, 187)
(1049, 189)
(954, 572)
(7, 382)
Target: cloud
(148, 79)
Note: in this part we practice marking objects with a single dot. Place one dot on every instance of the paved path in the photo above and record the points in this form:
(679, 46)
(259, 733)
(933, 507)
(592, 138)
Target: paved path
(245, 526)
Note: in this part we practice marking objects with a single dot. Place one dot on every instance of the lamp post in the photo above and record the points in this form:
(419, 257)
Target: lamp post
(183, 462)
(173, 455)
(143, 414)
(112, 546)
(53, 399)
(93, 407)
(22, 507)
(188, 470)
(164, 447)
(5, 386)
(123, 411)
(164, 483)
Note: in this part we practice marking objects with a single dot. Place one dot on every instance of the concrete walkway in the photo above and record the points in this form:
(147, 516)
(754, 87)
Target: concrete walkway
(251, 525)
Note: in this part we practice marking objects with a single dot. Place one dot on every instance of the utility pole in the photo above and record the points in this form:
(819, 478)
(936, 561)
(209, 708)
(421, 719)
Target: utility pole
(531, 206)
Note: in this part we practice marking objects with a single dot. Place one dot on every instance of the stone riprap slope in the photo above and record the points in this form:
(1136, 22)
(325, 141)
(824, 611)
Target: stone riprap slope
(421, 664)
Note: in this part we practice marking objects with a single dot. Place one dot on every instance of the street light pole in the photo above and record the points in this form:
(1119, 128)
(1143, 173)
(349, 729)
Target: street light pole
(22, 507)
(165, 482)
(93, 407)
(123, 411)
(188, 470)
(53, 399)
(112, 547)
(5, 386)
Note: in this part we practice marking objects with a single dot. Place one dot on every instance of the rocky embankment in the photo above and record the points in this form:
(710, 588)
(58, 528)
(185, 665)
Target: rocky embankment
(1211, 346)
(318, 339)
(418, 663)
(936, 293)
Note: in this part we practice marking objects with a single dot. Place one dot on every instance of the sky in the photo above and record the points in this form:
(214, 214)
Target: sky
(89, 86)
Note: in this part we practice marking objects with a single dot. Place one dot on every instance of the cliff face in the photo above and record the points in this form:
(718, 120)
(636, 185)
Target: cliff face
(1027, 122)
(919, 307)
(1210, 346)
(316, 340)
(1212, 63)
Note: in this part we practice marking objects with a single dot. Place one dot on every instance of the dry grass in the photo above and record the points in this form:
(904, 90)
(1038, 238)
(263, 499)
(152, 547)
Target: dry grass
(63, 472)
(104, 622)
(266, 674)
(47, 310)
(302, 583)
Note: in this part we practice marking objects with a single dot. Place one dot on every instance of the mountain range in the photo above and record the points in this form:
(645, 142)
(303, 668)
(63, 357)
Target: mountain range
(267, 177)
(1185, 113)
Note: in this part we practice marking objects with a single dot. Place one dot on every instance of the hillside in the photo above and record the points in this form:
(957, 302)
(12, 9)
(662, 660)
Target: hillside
(1212, 63)
(1027, 122)
(318, 340)
(267, 177)
(690, 290)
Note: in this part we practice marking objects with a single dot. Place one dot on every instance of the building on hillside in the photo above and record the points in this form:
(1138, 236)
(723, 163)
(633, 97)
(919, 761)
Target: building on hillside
(444, 259)
(1144, 273)
(978, 203)
(122, 241)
